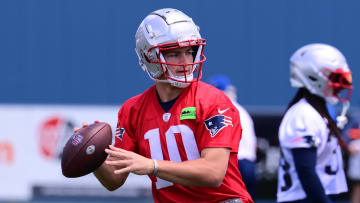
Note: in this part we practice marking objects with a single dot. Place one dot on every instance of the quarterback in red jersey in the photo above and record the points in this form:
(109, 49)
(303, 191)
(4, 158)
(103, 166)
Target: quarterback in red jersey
(181, 132)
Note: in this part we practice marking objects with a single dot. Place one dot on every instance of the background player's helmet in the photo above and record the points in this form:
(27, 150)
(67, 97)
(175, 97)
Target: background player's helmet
(323, 70)
(223, 83)
(167, 29)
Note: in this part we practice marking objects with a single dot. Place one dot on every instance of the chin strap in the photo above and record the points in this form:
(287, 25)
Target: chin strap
(342, 120)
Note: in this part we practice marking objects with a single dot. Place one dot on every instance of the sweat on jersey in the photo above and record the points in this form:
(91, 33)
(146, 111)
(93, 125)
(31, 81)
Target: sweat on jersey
(201, 117)
(303, 127)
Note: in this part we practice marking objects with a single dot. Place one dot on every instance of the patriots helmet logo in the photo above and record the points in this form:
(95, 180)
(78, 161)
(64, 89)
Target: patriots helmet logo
(217, 123)
(120, 132)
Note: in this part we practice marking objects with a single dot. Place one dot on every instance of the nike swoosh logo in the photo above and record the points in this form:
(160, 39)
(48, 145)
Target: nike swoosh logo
(222, 111)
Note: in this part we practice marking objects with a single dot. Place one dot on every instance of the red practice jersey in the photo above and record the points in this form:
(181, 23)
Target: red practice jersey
(200, 118)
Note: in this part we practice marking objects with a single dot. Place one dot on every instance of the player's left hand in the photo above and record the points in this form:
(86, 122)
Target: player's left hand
(129, 161)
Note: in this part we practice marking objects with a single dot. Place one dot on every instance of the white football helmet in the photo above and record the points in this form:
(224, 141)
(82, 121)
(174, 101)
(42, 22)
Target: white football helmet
(323, 70)
(163, 30)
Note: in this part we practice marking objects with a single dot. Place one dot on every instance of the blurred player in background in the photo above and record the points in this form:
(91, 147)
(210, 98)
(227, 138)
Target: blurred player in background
(181, 132)
(311, 166)
(352, 132)
(247, 147)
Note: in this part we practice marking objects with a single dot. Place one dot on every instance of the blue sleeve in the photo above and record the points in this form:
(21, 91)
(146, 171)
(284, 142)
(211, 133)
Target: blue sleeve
(305, 162)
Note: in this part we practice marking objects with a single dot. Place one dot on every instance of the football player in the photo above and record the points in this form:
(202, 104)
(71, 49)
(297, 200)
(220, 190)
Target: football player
(181, 132)
(311, 165)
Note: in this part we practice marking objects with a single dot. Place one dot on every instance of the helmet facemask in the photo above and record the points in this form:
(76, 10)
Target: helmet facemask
(339, 84)
(192, 74)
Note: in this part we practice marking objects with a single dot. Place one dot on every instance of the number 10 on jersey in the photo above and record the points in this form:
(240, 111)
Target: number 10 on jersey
(188, 139)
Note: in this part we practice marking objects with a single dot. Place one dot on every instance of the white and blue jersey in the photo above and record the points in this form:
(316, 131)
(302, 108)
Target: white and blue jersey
(303, 127)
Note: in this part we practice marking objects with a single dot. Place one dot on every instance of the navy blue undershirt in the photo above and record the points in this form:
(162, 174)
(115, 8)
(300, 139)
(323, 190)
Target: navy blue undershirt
(305, 162)
(166, 105)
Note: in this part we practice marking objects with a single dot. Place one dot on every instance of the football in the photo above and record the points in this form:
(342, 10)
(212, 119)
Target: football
(85, 150)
